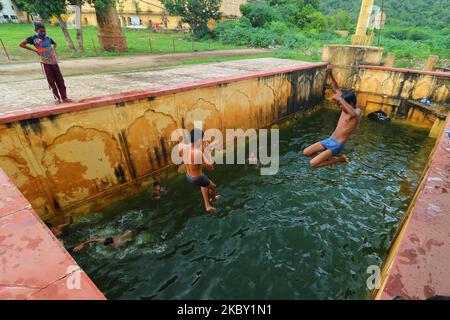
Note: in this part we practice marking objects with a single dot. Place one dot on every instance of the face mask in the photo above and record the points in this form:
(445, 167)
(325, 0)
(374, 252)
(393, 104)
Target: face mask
(41, 34)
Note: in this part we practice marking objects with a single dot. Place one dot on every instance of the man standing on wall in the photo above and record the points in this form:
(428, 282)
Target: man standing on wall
(45, 48)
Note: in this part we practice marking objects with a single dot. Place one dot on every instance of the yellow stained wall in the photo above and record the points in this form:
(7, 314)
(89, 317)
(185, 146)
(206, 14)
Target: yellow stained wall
(387, 89)
(83, 160)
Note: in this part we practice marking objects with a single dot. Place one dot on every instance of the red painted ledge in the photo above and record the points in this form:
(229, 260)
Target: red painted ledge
(427, 73)
(418, 263)
(33, 263)
(55, 109)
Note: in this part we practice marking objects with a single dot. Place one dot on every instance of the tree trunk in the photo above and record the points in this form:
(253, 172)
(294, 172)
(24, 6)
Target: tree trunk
(110, 35)
(80, 30)
(63, 27)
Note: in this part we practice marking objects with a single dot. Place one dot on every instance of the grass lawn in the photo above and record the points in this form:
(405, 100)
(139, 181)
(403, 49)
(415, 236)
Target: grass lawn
(138, 42)
(283, 54)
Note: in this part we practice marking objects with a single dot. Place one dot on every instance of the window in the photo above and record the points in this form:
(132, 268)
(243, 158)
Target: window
(14, 17)
(5, 16)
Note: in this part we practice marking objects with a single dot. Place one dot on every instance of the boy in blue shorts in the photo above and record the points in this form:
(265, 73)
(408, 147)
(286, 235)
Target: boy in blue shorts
(327, 152)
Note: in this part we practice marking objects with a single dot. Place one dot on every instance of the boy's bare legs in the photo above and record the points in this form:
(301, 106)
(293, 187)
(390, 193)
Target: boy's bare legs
(326, 159)
(212, 191)
(313, 149)
(205, 194)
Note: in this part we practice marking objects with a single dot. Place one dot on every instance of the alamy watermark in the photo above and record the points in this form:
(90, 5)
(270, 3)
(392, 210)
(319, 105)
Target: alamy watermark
(73, 280)
(374, 280)
(236, 144)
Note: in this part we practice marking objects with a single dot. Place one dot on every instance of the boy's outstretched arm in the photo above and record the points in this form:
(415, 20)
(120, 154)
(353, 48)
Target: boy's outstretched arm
(334, 85)
(345, 106)
(81, 246)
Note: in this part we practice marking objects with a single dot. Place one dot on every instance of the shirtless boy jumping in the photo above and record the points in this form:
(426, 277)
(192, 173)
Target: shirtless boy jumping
(326, 152)
(195, 157)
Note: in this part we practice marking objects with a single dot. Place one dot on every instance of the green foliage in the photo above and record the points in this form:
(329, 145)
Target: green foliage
(304, 27)
(342, 20)
(433, 14)
(44, 8)
(137, 42)
(259, 13)
(196, 13)
(302, 14)
(407, 33)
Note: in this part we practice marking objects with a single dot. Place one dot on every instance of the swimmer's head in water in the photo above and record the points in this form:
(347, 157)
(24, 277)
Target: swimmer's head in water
(350, 97)
(108, 241)
(196, 135)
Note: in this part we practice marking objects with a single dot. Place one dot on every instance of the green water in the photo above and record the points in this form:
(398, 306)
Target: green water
(301, 234)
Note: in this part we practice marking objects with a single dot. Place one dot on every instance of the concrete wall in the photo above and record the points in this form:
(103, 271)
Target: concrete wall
(405, 84)
(417, 263)
(346, 58)
(81, 156)
(389, 89)
(34, 263)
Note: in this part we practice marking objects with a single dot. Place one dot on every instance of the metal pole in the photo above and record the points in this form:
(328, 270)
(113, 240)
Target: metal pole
(192, 43)
(173, 42)
(4, 48)
(150, 44)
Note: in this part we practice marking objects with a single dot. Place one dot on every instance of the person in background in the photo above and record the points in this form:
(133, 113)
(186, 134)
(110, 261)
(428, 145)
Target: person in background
(116, 242)
(157, 191)
(327, 152)
(59, 229)
(45, 47)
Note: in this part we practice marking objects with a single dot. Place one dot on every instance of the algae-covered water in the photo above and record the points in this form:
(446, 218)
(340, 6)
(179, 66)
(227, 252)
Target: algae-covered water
(300, 234)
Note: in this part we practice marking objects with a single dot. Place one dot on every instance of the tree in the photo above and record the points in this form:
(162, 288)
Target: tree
(47, 9)
(301, 16)
(342, 20)
(110, 34)
(196, 13)
(79, 3)
(120, 7)
(21, 7)
(259, 13)
(137, 8)
(1, 6)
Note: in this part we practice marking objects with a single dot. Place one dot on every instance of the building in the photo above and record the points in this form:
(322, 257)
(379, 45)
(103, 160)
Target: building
(145, 13)
(8, 13)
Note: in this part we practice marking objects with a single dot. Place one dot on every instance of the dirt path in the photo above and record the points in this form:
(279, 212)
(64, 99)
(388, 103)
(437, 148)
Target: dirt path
(70, 67)
(26, 93)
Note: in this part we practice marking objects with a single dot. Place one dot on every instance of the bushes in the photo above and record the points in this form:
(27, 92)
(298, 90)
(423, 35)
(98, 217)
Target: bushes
(259, 13)
(404, 33)
(275, 34)
(303, 31)
(262, 38)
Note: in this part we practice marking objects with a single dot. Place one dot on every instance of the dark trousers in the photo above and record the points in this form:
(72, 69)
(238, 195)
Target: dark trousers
(55, 80)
